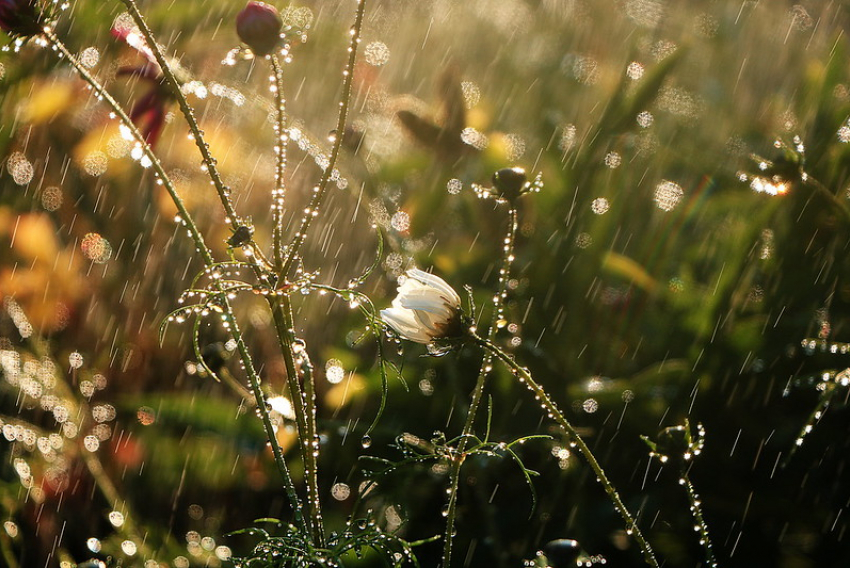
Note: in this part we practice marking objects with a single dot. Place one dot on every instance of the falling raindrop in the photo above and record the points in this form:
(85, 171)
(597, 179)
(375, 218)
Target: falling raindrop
(20, 168)
(340, 491)
(75, 360)
(668, 194)
(600, 206)
(116, 518)
(377, 53)
(634, 71)
(51, 198)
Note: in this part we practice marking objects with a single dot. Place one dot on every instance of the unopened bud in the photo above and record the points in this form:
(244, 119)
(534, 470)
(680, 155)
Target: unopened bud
(510, 183)
(258, 25)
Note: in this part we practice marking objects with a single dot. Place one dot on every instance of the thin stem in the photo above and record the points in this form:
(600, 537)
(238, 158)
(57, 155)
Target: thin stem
(208, 259)
(478, 391)
(262, 407)
(837, 203)
(815, 415)
(102, 94)
(281, 309)
(329, 172)
(110, 492)
(304, 410)
(701, 526)
(312, 468)
(279, 191)
(556, 415)
(188, 113)
(92, 461)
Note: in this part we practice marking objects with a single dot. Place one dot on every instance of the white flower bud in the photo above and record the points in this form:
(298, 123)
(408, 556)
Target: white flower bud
(425, 309)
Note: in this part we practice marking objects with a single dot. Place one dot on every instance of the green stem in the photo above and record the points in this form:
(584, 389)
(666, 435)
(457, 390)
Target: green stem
(208, 259)
(188, 113)
(478, 391)
(702, 527)
(92, 462)
(303, 407)
(838, 204)
(279, 191)
(101, 92)
(555, 414)
(320, 190)
(262, 407)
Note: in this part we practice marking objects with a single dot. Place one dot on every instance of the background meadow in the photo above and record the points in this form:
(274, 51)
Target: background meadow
(656, 279)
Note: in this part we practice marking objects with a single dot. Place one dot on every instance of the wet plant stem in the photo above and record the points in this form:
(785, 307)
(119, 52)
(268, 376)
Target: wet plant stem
(263, 410)
(555, 414)
(206, 255)
(102, 94)
(188, 113)
(478, 391)
(837, 204)
(91, 460)
(304, 408)
(330, 171)
(281, 140)
(696, 511)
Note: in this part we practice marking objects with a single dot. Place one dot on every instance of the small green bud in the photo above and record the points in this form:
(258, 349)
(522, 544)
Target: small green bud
(510, 183)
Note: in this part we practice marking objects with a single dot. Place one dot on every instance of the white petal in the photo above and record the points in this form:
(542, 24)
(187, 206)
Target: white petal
(428, 300)
(406, 324)
(437, 283)
(440, 309)
(430, 323)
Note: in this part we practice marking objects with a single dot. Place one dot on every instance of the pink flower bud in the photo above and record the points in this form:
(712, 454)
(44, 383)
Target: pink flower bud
(258, 25)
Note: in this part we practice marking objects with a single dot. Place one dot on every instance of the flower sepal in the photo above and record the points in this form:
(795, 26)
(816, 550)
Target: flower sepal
(444, 345)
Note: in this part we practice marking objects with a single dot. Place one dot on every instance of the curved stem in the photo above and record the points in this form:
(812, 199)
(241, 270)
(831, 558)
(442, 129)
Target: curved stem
(702, 527)
(188, 113)
(837, 203)
(279, 191)
(478, 391)
(556, 415)
(320, 190)
(208, 259)
(104, 95)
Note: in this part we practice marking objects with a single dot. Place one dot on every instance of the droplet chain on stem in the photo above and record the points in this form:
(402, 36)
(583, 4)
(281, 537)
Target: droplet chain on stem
(556, 415)
(281, 139)
(207, 257)
(478, 391)
(281, 308)
(189, 115)
(224, 196)
(321, 189)
(701, 526)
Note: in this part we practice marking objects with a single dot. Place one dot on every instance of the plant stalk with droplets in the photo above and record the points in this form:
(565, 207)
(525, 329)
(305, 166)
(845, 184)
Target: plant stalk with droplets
(478, 391)
(557, 416)
(677, 445)
(701, 526)
(302, 399)
(281, 140)
(330, 171)
(206, 255)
